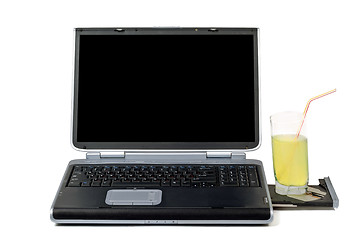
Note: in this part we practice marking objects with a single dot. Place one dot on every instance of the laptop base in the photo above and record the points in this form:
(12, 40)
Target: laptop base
(178, 205)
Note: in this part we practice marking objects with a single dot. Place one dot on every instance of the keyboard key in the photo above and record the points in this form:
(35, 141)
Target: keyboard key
(243, 184)
(254, 183)
(135, 184)
(96, 183)
(175, 183)
(165, 183)
(74, 184)
(86, 184)
(106, 183)
(185, 183)
(77, 169)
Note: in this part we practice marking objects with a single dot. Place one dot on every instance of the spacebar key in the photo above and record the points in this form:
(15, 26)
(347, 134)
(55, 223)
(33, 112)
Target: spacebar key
(135, 184)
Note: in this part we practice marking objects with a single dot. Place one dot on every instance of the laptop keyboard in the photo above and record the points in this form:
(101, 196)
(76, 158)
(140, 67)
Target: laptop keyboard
(196, 176)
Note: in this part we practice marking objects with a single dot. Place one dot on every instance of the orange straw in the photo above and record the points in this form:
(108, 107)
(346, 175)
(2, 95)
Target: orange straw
(307, 108)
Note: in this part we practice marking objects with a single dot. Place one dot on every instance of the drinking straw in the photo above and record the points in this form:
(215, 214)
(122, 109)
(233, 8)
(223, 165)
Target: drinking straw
(307, 108)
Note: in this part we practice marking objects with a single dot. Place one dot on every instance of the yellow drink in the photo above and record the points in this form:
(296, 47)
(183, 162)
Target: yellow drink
(290, 156)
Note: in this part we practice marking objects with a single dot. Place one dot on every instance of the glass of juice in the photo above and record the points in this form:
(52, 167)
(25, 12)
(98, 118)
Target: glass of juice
(290, 153)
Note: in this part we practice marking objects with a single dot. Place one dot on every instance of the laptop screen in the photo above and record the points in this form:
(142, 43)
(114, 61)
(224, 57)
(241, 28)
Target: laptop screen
(166, 89)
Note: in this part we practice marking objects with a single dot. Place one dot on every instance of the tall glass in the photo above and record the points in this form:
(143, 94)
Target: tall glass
(290, 153)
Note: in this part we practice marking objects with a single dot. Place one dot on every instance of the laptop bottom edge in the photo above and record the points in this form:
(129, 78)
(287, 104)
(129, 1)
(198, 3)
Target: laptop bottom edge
(264, 219)
(165, 222)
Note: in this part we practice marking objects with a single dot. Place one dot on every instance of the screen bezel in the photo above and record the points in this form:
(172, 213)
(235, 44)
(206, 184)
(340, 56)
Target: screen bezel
(165, 145)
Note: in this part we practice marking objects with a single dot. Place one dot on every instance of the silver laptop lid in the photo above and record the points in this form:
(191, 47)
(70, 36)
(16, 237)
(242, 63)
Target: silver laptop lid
(166, 89)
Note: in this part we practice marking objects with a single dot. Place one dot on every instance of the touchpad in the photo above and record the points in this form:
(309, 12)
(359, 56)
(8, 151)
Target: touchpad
(133, 197)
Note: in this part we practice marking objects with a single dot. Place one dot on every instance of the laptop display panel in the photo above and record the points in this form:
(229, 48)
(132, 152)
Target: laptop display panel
(166, 89)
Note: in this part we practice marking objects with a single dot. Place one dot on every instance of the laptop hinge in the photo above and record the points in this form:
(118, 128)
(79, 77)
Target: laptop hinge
(220, 154)
(209, 154)
(100, 155)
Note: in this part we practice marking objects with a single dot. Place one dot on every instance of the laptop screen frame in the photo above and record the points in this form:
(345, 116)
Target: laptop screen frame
(90, 146)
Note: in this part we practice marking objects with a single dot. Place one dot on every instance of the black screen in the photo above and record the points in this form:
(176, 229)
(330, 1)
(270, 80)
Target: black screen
(165, 88)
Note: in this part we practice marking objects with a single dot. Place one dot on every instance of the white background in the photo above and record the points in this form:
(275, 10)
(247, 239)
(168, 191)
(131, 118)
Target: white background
(307, 48)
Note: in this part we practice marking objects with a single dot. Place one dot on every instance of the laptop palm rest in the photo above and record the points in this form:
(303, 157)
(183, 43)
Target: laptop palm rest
(133, 197)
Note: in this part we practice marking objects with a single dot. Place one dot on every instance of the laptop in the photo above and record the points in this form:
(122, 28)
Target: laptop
(165, 117)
